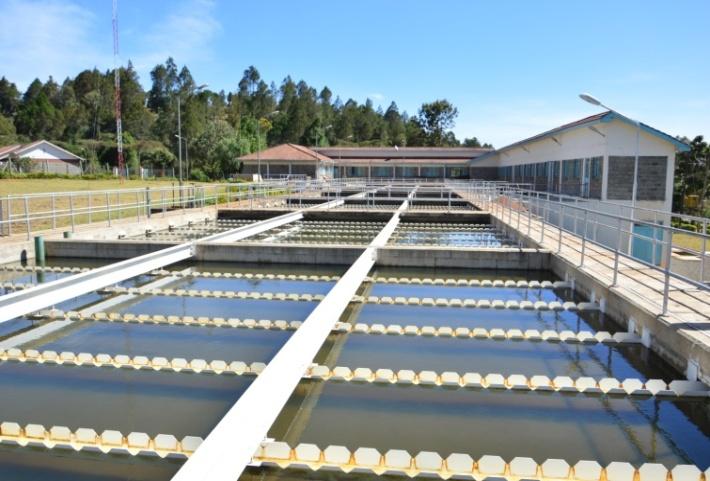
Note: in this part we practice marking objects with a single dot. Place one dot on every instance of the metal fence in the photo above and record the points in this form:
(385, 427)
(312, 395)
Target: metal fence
(622, 229)
(642, 234)
(30, 213)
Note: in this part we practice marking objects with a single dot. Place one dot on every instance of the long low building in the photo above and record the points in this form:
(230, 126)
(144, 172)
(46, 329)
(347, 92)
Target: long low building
(379, 162)
(403, 162)
(594, 158)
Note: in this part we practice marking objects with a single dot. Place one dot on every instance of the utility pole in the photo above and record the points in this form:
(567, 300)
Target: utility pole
(117, 94)
(179, 144)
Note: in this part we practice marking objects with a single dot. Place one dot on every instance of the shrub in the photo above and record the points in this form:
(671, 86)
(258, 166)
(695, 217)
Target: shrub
(198, 175)
(688, 226)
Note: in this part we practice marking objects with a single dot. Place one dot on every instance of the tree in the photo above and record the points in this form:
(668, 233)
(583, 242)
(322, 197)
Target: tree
(9, 98)
(217, 149)
(396, 132)
(37, 118)
(693, 172)
(136, 117)
(218, 126)
(416, 137)
(435, 119)
(7, 131)
(474, 142)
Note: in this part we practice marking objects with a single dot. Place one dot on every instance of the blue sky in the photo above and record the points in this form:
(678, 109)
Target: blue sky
(513, 68)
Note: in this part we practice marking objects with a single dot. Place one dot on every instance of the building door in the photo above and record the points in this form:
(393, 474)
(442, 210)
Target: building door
(647, 244)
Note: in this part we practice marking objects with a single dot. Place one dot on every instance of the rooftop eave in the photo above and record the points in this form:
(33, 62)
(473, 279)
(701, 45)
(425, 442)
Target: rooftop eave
(679, 146)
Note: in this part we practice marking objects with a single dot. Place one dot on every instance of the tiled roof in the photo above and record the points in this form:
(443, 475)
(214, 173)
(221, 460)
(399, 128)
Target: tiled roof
(291, 152)
(379, 161)
(8, 149)
(402, 152)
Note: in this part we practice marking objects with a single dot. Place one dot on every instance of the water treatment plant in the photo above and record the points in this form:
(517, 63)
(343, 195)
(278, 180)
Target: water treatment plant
(350, 329)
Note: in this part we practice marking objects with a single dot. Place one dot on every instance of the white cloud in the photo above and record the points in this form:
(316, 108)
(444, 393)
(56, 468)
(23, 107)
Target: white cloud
(186, 34)
(40, 38)
(376, 96)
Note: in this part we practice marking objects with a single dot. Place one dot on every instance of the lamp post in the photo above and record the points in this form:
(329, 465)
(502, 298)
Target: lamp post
(258, 139)
(187, 154)
(179, 134)
(592, 100)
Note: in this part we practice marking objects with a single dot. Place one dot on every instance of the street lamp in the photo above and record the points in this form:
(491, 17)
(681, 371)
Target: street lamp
(187, 154)
(258, 146)
(179, 134)
(594, 101)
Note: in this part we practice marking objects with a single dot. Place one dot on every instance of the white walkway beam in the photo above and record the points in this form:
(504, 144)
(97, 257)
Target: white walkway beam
(230, 446)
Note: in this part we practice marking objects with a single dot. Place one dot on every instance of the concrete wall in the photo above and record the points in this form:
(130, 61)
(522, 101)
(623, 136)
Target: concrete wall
(667, 340)
(392, 256)
(18, 248)
(102, 249)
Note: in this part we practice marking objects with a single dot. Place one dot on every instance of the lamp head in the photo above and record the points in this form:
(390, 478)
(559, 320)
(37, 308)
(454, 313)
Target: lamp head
(589, 99)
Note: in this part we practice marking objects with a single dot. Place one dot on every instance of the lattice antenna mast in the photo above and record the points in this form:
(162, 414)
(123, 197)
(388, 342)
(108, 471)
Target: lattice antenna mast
(117, 96)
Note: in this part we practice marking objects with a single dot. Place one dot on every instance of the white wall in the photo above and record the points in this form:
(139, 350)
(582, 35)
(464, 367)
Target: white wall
(619, 139)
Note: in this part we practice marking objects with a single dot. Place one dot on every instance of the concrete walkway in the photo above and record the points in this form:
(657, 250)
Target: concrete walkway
(682, 335)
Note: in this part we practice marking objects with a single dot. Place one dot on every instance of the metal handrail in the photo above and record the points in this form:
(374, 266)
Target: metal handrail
(529, 201)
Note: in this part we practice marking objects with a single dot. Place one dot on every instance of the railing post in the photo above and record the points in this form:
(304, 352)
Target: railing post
(543, 218)
(108, 208)
(667, 272)
(138, 208)
(54, 211)
(520, 207)
(562, 222)
(71, 210)
(27, 217)
(584, 238)
(576, 215)
(147, 202)
(704, 249)
(88, 203)
(529, 217)
(616, 252)
(162, 201)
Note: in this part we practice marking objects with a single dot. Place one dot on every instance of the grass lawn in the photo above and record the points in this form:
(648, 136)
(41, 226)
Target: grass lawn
(83, 207)
(689, 242)
(30, 186)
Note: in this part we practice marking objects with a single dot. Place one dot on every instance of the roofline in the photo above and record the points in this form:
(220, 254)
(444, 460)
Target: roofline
(22, 148)
(606, 117)
(386, 147)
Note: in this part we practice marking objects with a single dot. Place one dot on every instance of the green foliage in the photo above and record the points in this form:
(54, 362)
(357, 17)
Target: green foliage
(218, 148)
(132, 161)
(217, 127)
(197, 175)
(436, 118)
(692, 174)
(7, 131)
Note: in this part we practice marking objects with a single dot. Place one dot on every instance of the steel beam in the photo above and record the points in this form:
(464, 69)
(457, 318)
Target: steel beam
(230, 446)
